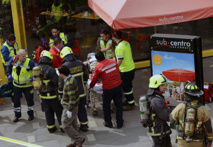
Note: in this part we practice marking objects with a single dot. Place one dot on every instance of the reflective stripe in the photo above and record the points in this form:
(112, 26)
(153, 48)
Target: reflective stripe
(22, 82)
(17, 109)
(50, 127)
(178, 137)
(128, 93)
(120, 56)
(110, 70)
(60, 126)
(82, 95)
(63, 38)
(109, 66)
(48, 96)
(131, 102)
(59, 91)
(31, 108)
(27, 67)
(46, 82)
(84, 123)
(158, 134)
(78, 74)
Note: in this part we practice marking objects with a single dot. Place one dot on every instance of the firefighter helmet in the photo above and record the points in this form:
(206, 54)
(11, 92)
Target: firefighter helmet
(65, 51)
(156, 80)
(45, 53)
(192, 90)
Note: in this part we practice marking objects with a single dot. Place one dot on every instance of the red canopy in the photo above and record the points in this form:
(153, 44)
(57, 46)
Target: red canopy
(179, 75)
(121, 14)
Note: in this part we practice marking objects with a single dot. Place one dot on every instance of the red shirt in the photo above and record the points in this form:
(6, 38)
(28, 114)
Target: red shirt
(57, 60)
(108, 71)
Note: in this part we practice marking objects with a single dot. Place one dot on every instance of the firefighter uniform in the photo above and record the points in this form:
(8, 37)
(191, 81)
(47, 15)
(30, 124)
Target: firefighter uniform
(101, 44)
(127, 70)
(48, 93)
(158, 129)
(80, 73)
(202, 119)
(22, 74)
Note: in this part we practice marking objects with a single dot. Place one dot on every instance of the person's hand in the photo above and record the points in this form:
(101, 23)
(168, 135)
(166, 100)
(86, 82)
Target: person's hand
(31, 79)
(209, 144)
(10, 77)
(89, 87)
(69, 114)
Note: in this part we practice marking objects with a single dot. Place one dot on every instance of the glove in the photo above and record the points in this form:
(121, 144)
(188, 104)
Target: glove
(31, 79)
(43, 41)
(69, 114)
(36, 64)
(10, 77)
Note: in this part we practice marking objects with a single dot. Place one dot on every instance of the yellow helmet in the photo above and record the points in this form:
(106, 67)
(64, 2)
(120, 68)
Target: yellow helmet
(192, 90)
(45, 53)
(156, 80)
(65, 51)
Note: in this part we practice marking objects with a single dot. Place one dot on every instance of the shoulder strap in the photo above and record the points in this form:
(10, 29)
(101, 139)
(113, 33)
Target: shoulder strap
(15, 59)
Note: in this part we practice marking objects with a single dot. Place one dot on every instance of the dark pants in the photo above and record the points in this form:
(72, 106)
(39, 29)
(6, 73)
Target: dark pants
(51, 107)
(127, 78)
(82, 113)
(164, 142)
(114, 94)
(28, 93)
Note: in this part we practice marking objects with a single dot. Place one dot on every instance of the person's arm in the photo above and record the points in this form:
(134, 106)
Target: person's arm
(95, 78)
(32, 64)
(60, 86)
(119, 56)
(54, 77)
(86, 73)
(207, 126)
(5, 53)
(119, 62)
(9, 66)
(159, 107)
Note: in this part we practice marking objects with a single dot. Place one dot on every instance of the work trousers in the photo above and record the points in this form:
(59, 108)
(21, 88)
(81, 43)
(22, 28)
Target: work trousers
(70, 125)
(164, 142)
(114, 94)
(82, 113)
(127, 78)
(51, 107)
(28, 93)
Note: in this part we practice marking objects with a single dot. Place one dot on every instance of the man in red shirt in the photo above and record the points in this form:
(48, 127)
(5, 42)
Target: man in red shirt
(107, 70)
(55, 51)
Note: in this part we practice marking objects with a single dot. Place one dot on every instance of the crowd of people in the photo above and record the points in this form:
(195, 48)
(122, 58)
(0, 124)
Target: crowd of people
(63, 86)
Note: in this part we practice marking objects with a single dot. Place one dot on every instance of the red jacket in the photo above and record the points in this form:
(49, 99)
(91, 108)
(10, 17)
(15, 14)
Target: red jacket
(57, 60)
(108, 71)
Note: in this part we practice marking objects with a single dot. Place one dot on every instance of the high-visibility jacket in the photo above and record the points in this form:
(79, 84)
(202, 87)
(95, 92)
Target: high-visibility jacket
(58, 11)
(108, 71)
(23, 79)
(79, 71)
(123, 51)
(108, 53)
(12, 49)
(62, 36)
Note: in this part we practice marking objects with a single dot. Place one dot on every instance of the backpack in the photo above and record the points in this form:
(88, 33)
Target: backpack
(6, 90)
(36, 54)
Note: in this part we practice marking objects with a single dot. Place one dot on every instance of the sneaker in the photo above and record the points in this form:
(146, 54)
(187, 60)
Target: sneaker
(107, 125)
(79, 144)
(16, 119)
(84, 129)
(128, 107)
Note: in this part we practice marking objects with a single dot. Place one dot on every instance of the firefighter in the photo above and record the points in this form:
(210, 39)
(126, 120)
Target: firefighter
(9, 49)
(127, 69)
(159, 114)
(80, 73)
(193, 119)
(48, 92)
(105, 44)
(21, 69)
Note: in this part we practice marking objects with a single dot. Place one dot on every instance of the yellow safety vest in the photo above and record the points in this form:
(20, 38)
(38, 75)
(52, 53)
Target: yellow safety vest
(23, 80)
(5, 2)
(62, 36)
(11, 50)
(123, 51)
(58, 10)
(108, 53)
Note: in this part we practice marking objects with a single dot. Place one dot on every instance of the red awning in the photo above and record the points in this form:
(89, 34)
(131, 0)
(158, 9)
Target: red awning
(121, 14)
(179, 75)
